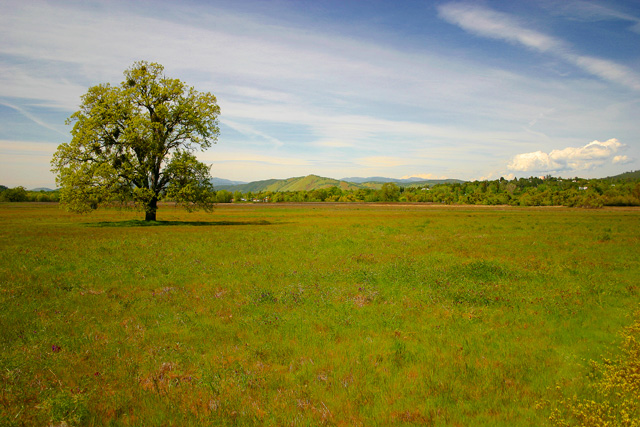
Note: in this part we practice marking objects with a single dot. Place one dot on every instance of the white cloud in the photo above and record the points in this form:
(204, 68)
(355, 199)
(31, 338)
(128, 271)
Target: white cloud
(251, 132)
(34, 118)
(263, 95)
(607, 70)
(486, 22)
(234, 157)
(535, 161)
(495, 175)
(622, 160)
(40, 88)
(591, 155)
(489, 23)
(594, 12)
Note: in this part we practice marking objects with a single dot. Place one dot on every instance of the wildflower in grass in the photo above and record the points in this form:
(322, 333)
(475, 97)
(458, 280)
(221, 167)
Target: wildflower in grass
(55, 348)
(616, 386)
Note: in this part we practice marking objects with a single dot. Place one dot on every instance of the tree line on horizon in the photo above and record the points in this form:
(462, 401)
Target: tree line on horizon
(548, 191)
(21, 194)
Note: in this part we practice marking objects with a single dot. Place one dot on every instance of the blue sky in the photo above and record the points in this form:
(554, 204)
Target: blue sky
(438, 89)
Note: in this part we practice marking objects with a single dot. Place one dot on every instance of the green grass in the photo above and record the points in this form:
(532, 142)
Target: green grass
(307, 314)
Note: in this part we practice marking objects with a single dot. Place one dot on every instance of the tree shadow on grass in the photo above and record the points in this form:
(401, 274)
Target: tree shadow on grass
(141, 223)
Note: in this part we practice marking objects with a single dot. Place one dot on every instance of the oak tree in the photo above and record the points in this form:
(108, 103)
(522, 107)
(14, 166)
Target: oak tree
(134, 143)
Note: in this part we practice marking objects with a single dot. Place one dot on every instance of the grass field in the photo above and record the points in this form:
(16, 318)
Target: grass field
(308, 314)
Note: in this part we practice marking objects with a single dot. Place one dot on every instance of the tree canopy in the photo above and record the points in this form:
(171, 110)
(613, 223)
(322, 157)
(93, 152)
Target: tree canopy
(135, 143)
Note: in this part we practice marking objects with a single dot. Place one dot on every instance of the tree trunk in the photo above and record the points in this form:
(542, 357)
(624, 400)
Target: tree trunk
(150, 211)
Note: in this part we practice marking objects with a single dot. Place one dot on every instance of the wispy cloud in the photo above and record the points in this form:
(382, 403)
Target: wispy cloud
(485, 22)
(594, 12)
(33, 118)
(254, 158)
(33, 83)
(607, 70)
(251, 132)
(591, 155)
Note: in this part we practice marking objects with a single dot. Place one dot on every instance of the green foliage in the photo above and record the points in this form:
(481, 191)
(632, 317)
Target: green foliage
(135, 143)
(390, 192)
(224, 196)
(17, 194)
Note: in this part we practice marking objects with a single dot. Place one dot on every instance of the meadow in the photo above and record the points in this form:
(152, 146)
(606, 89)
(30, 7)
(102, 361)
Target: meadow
(314, 314)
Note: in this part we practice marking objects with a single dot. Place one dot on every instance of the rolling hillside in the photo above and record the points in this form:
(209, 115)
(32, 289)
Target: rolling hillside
(314, 182)
(303, 183)
(221, 181)
(627, 176)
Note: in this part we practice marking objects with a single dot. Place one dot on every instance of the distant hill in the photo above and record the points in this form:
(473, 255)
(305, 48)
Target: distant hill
(310, 182)
(42, 189)
(314, 182)
(221, 181)
(255, 186)
(412, 181)
(306, 183)
(360, 180)
(433, 182)
(627, 176)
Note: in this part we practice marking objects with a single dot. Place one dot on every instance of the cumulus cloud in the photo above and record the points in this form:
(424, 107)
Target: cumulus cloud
(622, 160)
(494, 175)
(592, 155)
